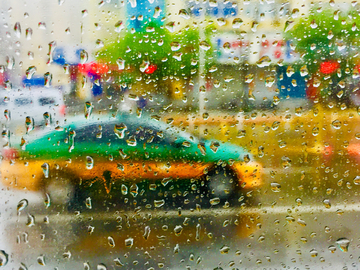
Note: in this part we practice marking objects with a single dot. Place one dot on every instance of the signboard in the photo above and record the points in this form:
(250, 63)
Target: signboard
(231, 49)
(221, 8)
(67, 55)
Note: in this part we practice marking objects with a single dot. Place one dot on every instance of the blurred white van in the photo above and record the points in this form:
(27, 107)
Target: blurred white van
(41, 105)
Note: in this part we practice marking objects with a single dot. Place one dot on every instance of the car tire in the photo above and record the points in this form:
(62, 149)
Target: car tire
(221, 184)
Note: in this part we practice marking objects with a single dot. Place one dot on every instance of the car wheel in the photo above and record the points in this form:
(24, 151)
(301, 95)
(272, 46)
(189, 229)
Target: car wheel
(60, 189)
(222, 185)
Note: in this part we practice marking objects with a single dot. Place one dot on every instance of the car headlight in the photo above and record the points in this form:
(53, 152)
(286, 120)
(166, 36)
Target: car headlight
(250, 173)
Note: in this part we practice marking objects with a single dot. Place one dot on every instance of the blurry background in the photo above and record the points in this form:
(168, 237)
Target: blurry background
(279, 78)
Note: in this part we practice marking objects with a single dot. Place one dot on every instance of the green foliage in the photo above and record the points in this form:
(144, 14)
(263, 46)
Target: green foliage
(322, 35)
(174, 54)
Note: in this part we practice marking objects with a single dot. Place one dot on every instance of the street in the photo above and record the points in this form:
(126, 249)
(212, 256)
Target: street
(283, 231)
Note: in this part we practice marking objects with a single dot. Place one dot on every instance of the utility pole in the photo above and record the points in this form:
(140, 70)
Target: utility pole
(201, 76)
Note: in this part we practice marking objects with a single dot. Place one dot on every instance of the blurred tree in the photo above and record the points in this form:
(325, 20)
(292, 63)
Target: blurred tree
(327, 41)
(155, 55)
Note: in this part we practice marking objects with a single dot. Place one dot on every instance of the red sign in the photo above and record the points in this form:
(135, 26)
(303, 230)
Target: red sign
(93, 68)
(329, 67)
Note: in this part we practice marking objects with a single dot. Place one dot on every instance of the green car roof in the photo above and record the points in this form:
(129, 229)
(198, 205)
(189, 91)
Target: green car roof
(127, 137)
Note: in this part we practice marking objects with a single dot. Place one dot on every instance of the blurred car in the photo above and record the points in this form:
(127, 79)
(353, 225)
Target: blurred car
(113, 161)
(41, 105)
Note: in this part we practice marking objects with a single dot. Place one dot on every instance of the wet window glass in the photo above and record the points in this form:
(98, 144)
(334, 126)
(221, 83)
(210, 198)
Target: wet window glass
(166, 134)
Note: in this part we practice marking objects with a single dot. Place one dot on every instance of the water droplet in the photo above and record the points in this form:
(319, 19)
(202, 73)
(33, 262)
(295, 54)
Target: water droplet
(315, 131)
(147, 232)
(48, 78)
(197, 233)
(157, 12)
(170, 26)
(41, 260)
(288, 25)
(84, 56)
(176, 249)
(42, 25)
(88, 109)
(89, 162)
(131, 141)
(124, 189)
(275, 187)
(28, 33)
(304, 71)
(17, 29)
(119, 26)
(30, 72)
(22, 205)
(224, 249)
(30, 221)
(10, 61)
(159, 203)
(129, 242)
(301, 222)
(295, 13)
(47, 200)
(84, 13)
(45, 169)
(4, 258)
(215, 201)
(237, 22)
(118, 262)
(22, 267)
(184, 14)
(67, 255)
(204, 45)
(275, 125)
(336, 124)
(175, 46)
(264, 61)
(254, 26)
(343, 244)
(178, 230)
(120, 130)
(313, 24)
(47, 119)
(111, 242)
(121, 63)
(332, 249)
(290, 219)
(221, 21)
(327, 203)
(88, 203)
(134, 190)
(357, 180)
(101, 266)
(99, 43)
(214, 146)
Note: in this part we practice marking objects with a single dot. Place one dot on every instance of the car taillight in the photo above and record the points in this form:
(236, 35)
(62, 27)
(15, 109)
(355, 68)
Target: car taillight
(10, 153)
(62, 110)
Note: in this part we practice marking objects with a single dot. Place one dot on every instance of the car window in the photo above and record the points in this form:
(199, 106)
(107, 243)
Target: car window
(104, 132)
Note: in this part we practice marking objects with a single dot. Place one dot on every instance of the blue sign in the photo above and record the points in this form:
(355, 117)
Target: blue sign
(141, 12)
(69, 55)
(34, 81)
(223, 9)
